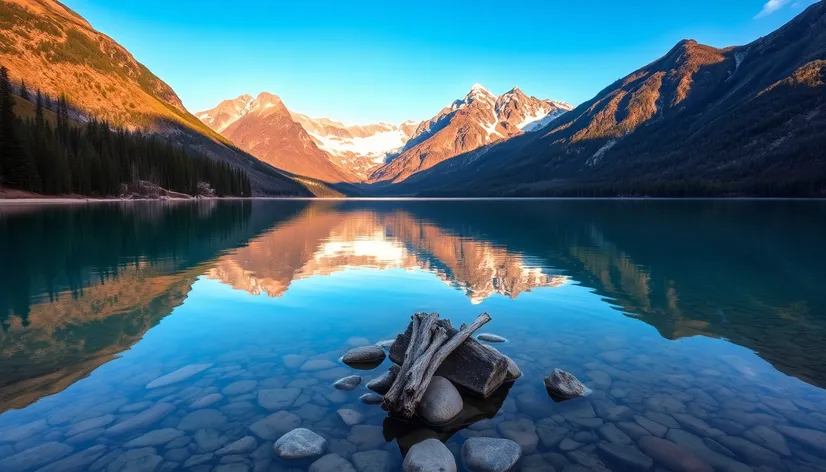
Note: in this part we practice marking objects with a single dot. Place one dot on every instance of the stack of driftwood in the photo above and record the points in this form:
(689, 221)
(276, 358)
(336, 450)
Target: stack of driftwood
(432, 346)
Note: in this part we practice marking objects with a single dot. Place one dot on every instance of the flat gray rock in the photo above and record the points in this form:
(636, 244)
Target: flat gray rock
(19, 433)
(239, 387)
(200, 419)
(382, 384)
(206, 401)
(244, 445)
(92, 423)
(491, 338)
(429, 455)
(808, 437)
(35, 457)
(275, 425)
(142, 420)
(672, 455)
(565, 385)
(373, 461)
(155, 438)
(350, 417)
(441, 402)
(78, 461)
(300, 443)
(364, 355)
(332, 463)
(371, 398)
(317, 364)
(178, 376)
(278, 398)
(522, 431)
(490, 454)
(348, 383)
(626, 457)
(136, 460)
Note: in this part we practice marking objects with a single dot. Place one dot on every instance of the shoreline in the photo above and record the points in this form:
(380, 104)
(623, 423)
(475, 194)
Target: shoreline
(91, 200)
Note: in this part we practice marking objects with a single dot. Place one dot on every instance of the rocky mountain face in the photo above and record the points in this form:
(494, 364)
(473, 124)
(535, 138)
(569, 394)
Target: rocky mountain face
(699, 121)
(470, 125)
(264, 127)
(377, 152)
(316, 147)
(57, 51)
(358, 149)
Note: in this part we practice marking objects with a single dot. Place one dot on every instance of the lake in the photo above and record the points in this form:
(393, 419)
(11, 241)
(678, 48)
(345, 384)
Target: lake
(700, 327)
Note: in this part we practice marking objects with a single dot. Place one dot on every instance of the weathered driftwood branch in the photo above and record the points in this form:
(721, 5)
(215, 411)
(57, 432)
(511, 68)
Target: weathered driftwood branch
(392, 396)
(415, 391)
(429, 345)
(471, 366)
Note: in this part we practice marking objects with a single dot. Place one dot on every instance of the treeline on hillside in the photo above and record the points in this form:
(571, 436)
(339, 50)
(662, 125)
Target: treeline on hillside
(96, 159)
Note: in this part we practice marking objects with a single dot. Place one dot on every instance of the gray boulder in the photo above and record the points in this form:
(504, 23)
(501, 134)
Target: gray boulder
(565, 385)
(383, 383)
(364, 355)
(348, 383)
(300, 443)
(332, 463)
(490, 454)
(371, 398)
(441, 402)
(429, 455)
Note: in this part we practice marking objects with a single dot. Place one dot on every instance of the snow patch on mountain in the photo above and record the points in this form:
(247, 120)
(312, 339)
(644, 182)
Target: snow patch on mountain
(374, 147)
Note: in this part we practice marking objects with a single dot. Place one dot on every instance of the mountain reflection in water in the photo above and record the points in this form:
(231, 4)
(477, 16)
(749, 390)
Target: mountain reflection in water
(83, 283)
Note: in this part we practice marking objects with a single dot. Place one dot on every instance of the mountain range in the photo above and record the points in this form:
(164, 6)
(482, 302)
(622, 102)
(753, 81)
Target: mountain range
(699, 121)
(334, 152)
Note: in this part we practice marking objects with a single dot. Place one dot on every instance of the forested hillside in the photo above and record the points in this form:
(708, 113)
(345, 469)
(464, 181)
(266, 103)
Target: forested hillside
(60, 156)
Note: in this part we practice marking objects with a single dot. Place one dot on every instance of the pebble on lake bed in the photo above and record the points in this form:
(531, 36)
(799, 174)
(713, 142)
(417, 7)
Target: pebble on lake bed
(348, 383)
(364, 355)
(300, 443)
(565, 385)
(490, 454)
(429, 455)
(371, 398)
(491, 338)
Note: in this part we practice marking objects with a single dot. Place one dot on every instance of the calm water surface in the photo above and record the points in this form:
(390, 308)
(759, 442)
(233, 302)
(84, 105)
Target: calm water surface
(699, 323)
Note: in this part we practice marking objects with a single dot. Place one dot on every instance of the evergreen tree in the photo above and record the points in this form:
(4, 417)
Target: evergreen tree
(24, 91)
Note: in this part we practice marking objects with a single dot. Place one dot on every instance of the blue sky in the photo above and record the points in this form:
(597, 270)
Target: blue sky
(368, 61)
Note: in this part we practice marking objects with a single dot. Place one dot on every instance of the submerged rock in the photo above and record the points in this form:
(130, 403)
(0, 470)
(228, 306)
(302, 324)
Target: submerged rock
(275, 425)
(385, 344)
(350, 417)
(564, 385)
(429, 455)
(244, 445)
(491, 338)
(348, 383)
(332, 463)
(300, 443)
(490, 454)
(178, 376)
(364, 355)
(383, 383)
(441, 402)
(371, 398)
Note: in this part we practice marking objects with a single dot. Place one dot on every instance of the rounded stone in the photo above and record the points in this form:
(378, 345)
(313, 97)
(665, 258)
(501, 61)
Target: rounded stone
(331, 463)
(350, 417)
(364, 355)
(565, 385)
(429, 455)
(371, 398)
(441, 402)
(491, 338)
(348, 383)
(490, 454)
(299, 443)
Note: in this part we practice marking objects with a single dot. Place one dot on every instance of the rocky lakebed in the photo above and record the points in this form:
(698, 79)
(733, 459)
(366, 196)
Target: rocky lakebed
(496, 404)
